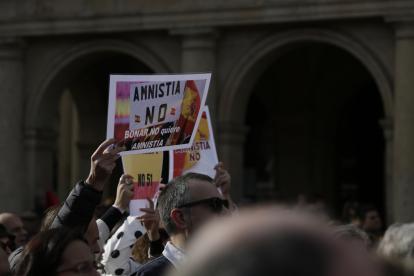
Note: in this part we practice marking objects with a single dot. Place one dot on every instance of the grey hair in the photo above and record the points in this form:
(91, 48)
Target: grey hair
(176, 193)
(351, 231)
(398, 241)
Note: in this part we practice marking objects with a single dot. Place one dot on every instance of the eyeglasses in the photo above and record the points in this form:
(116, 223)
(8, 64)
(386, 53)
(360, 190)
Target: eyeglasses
(217, 203)
(83, 268)
(4, 246)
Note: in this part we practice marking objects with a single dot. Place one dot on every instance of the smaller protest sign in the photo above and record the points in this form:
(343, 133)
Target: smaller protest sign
(152, 113)
(146, 169)
(201, 157)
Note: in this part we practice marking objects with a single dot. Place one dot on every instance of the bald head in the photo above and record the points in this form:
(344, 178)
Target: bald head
(14, 225)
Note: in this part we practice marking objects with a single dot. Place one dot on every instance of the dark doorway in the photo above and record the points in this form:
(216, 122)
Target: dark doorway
(361, 149)
(314, 129)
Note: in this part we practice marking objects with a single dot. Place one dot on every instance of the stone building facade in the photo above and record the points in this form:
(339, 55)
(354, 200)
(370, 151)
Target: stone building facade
(294, 65)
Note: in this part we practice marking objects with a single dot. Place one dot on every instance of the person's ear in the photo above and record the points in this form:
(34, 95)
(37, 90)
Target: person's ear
(180, 219)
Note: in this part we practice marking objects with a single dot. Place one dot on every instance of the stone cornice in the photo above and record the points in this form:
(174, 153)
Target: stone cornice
(403, 25)
(11, 47)
(198, 16)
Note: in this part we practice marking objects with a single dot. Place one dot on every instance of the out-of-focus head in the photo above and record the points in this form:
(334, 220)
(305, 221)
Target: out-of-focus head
(352, 235)
(398, 242)
(4, 262)
(40, 199)
(185, 189)
(394, 267)
(92, 236)
(14, 225)
(50, 215)
(31, 222)
(349, 211)
(7, 240)
(262, 242)
(60, 251)
(370, 219)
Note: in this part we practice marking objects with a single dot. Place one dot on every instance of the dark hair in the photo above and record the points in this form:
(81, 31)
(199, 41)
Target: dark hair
(364, 209)
(176, 193)
(348, 205)
(50, 215)
(43, 254)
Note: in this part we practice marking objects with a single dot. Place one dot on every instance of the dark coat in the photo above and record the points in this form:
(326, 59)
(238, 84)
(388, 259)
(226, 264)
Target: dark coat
(155, 267)
(76, 212)
(79, 207)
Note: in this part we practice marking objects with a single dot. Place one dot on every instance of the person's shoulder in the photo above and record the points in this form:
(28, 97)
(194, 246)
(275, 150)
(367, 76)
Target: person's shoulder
(154, 267)
(14, 257)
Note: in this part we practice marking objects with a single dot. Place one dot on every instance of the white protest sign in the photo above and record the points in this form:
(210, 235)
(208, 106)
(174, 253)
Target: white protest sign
(151, 113)
(201, 157)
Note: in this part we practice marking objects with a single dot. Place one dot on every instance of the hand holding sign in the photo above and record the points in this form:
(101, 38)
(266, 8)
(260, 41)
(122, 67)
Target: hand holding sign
(125, 192)
(102, 164)
(222, 180)
(151, 221)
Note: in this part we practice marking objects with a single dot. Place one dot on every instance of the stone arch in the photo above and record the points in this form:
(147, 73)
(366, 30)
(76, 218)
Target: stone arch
(40, 136)
(237, 88)
(65, 61)
(245, 74)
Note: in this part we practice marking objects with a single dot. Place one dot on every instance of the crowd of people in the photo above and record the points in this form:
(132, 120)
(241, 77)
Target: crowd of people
(194, 229)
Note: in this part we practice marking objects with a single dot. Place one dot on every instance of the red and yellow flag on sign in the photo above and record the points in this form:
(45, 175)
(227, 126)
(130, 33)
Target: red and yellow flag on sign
(189, 112)
(146, 169)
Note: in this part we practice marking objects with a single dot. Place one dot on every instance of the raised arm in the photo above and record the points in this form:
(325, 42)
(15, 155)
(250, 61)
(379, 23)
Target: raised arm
(81, 203)
(222, 179)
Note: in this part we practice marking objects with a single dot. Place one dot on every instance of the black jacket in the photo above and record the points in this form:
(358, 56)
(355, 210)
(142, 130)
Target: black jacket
(77, 212)
(79, 207)
(155, 267)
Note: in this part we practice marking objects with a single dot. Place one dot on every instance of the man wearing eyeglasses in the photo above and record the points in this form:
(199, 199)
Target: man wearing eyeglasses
(185, 204)
(6, 240)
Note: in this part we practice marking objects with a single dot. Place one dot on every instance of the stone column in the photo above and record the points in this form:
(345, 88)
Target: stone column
(230, 147)
(40, 148)
(13, 165)
(199, 55)
(403, 158)
(387, 125)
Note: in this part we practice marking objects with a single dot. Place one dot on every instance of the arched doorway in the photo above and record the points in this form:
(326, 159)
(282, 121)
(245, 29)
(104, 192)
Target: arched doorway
(253, 65)
(81, 75)
(319, 109)
(88, 107)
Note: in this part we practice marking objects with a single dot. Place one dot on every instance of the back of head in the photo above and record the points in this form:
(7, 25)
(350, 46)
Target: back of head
(50, 215)
(398, 242)
(284, 254)
(176, 193)
(43, 254)
(261, 242)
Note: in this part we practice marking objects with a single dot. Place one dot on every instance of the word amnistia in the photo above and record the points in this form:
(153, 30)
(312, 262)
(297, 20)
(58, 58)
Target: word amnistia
(202, 145)
(147, 145)
(159, 90)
